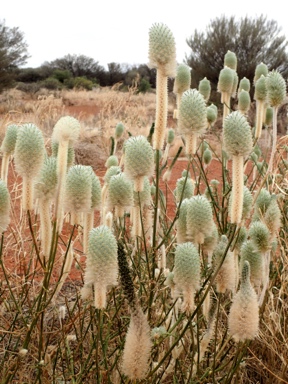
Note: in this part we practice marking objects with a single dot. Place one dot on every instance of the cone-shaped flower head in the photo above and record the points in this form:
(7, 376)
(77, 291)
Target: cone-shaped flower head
(9, 141)
(182, 79)
(29, 150)
(138, 161)
(187, 272)
(261, 69)
(170, 135)
(67, 128)
(78, 191)
(207, 156)
(111, 171)
(269, 116)
(4, 206)
(205, 88)
(250, 253)
(260, 89)
(111, 161)
(226, 277)
(137, 347)
(237, 136)
(184, 188)
(225, 81)
(46, 183)
(182, 222)
(260, 236)
(244, 84)
(192, 113)
(101, 267)
(261, 204)
(192, 118)
(273, 216)
(212, 113)
(120, 193)
(119, 130)
(244, 101)
(162, 50)
(230, 60)
(243, 320)
(199, 218)
(276, 88)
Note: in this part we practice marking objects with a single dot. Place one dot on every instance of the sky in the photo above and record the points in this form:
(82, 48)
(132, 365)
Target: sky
(118, 31)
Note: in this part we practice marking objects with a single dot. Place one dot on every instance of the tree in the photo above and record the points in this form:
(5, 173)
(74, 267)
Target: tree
(78, 66)
(13, 53)
(252, 40)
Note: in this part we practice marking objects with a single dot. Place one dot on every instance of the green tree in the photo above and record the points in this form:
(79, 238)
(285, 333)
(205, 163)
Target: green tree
(252, 40)
(13, 53)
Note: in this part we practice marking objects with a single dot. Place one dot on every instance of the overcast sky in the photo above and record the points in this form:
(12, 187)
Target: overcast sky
(117, 31)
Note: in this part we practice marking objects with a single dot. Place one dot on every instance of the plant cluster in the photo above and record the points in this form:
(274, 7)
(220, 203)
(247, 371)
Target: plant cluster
(155, 295)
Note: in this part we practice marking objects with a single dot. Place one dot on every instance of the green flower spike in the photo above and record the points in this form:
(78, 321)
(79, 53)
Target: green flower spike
(230, 60)
(170, 139)
(7, 149)
(260, 96)
(249, 252)
(269, 116)
(260, 70)
(207, 156)
(276, 93)
(119, 130)
(65, 132)
(138, 160)
(244, 84)
(243, 320)
(192, 118)
(273, 217)
(212, 113)
(29, 157)
(78, 192)
(181, 84)
(162, 56)
(181, 224)
(225, 87)
(205, 88)
(101, 267)
(199, 218)
(187, 273)
(120, 194)
(4, 206)
(45, 192)
(112, 161)
(244, 101)
(260, 236)
(237, 138)
(226, 277)
(184, 188)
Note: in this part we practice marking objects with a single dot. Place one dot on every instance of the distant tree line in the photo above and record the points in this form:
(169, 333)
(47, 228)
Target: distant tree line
(252, 40)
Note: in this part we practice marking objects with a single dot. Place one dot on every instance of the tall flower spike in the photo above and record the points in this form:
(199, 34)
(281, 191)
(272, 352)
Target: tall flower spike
(261, 69)
(212, 113)
(4, 206)
(244, 84)
(181, 224)
(162, 56)
(7, 149)
(120, 194)
(205, 88)
(66, 131)
(45, 192)
(78, 192)
(250, 253)
(187, 273)
(184, 188)
(244, 101)
(226, 276)
(199, 218)
(225, 87)
(192, 118)
(243, 320)
(29, 158)
(276, 93)
(230, 60)
(181, 84)
(101, 268)
(237, 138)
(138, 160)
(260, 96)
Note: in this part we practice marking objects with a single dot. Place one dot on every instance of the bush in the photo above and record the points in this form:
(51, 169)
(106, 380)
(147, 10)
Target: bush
(144, 86)
(79, 83)
(52, 83)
